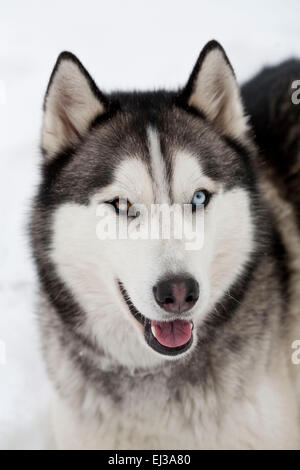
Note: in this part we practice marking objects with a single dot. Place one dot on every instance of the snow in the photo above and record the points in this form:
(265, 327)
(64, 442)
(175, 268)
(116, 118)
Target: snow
(124, 44)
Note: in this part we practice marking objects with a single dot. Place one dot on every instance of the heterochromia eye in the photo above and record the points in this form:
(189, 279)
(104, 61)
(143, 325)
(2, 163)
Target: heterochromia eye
(200, 198)
(121, 205)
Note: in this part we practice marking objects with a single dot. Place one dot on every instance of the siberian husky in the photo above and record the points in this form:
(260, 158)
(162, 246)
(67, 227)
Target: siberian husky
(150, 345)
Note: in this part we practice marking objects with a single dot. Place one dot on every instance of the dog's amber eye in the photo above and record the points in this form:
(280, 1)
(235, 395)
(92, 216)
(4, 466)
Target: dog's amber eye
(121, 205)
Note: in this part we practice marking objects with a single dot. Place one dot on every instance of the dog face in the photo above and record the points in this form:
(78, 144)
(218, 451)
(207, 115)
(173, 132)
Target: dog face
(142, 299)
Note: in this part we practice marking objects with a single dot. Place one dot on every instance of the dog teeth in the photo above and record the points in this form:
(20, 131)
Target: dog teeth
(153, 331)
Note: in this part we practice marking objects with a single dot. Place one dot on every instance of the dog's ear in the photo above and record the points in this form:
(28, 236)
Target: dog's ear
(212, 89)
(71, 103)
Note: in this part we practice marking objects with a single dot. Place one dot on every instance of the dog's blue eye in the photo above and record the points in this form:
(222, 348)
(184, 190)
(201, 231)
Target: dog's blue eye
(200, 198)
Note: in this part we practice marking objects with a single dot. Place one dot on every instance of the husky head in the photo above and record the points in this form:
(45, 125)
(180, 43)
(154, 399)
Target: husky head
(142, 300)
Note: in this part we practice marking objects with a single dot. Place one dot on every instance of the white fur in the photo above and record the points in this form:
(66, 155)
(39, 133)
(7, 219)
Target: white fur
(158, 168)
(90, 266)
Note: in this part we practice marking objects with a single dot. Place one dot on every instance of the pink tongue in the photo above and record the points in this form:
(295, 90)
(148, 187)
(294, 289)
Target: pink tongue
(172, 334)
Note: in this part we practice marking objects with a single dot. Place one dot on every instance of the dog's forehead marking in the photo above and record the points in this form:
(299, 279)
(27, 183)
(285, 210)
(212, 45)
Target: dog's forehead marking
(132, 180)
(188, 177)
(158, 167)
(140, 180)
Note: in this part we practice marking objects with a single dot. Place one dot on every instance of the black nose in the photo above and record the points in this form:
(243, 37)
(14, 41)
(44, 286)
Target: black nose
(177, 294)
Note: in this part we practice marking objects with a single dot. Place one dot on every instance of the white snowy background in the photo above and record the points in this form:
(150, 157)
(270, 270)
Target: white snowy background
(124, 44)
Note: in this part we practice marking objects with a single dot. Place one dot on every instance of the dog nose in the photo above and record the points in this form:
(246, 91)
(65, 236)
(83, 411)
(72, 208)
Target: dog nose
(176, 295)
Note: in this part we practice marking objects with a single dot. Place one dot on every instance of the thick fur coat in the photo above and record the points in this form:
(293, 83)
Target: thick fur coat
(235, 385)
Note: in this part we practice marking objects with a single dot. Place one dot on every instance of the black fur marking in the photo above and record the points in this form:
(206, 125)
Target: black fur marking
(180, 102)
(53, 287)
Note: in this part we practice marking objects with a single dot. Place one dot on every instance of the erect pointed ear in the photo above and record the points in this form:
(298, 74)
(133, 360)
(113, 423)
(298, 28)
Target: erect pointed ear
(71, 103)
(213, 90)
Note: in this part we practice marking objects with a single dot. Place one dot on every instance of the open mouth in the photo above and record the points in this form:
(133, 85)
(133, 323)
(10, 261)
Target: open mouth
(170, 338)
